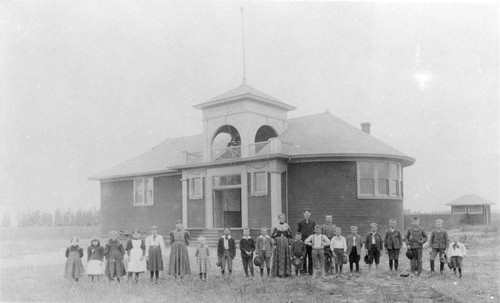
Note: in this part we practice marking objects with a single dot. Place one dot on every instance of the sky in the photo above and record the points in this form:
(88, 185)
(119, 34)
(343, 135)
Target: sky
(86, 85)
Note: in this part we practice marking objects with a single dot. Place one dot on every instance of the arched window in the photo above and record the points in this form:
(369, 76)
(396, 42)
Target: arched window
(264, 133)
(226, 143)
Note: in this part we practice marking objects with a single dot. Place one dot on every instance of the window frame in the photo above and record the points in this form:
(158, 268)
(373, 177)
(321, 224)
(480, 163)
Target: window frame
(375, 178)
(473, 212)
(192, 194)
(459, 213)
(253, 183)
(146, 181)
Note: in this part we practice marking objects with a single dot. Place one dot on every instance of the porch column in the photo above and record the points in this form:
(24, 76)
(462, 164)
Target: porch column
(184, 202)
(209, 204)
(244, 200)
(275, 196)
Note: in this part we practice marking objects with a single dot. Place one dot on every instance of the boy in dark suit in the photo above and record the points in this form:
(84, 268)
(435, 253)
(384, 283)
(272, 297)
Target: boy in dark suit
(264, 250)
(373, 247)
(247, 247)
(226, 251)
(298, 252)
(393, 240)
(415, 238)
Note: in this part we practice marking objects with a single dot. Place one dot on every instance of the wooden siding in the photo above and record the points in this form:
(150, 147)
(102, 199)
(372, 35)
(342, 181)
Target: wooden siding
(119, 213)
(331, 188)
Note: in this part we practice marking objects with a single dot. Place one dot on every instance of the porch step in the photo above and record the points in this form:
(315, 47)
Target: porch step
(211, 235)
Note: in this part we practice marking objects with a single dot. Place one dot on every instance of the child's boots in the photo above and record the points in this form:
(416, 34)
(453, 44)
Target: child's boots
(201, 276)
(268, 271)
(262, 272)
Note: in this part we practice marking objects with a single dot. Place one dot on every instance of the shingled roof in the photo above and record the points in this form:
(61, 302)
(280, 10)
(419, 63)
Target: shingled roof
(328, 135)
(157, 160)
(320, 135)
(470, 200)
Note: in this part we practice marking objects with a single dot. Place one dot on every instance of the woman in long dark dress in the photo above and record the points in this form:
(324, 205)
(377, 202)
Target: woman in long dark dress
(281, 235)
(179, 258)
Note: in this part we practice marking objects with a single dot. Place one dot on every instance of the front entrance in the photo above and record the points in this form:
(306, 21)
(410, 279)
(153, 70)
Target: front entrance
(227, 207)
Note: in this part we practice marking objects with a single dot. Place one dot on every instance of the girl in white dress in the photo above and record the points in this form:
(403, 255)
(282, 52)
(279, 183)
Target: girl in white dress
(136, 255)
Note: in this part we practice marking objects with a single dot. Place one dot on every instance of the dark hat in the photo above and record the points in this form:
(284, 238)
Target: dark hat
(450, 264)
(366, 259)
(257, 261)
(414, 218)
(405, 273)
(444, 259)
(409, 254)
(345, 259)
(297, 262)
(307, 209)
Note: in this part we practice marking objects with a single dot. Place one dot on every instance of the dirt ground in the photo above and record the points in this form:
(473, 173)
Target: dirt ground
(32, 271)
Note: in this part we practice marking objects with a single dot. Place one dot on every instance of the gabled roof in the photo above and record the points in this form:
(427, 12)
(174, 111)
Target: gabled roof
(470, 200)
(157, 160)
(244, 91)
(325, 134)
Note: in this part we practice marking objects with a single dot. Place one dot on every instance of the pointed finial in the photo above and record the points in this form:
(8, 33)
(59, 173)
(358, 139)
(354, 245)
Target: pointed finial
(243, 46)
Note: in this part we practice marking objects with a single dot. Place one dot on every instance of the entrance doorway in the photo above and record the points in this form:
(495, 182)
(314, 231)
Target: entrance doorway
(227, 207)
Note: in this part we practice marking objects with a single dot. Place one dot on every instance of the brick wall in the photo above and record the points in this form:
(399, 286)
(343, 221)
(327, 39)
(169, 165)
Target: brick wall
(259, 207)
(119, 213)
(330, 188)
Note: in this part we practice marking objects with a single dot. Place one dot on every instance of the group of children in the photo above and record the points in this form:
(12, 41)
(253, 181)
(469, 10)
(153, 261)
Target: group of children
(138, 256)
(147, 255)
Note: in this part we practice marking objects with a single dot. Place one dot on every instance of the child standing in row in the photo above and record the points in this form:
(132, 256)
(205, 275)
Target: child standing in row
(354, 246)
(74, 266)
(247, 247)
(95, 257)
(264, 250)
(393, 240)
(226, 251)
(339, 247)
(318, 242)
(373, 247)
(202, 258)
(155, 250)
(415, 238)
(298, 253)
(115, 268)
(456, 252)
(136, 255)
(439, 241)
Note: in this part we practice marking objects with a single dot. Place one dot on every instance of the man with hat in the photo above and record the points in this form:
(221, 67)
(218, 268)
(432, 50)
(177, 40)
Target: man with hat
(306, 228)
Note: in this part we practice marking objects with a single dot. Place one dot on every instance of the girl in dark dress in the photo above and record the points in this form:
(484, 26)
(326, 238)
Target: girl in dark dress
(74, 267)
(281, 235)
(155, 252)
(115, 268)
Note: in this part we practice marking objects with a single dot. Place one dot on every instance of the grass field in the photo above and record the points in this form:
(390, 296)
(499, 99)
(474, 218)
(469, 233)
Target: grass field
(32, 265)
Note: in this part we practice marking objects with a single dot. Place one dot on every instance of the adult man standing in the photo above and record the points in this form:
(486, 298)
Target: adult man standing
(306, 228)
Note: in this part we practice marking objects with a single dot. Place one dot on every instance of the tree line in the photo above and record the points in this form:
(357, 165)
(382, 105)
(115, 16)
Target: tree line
(58, 217)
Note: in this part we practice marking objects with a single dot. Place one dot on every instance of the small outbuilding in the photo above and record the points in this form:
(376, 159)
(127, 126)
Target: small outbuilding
(472, 209)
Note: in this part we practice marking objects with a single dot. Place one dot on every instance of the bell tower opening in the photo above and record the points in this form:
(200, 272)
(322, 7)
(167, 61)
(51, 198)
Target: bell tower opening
(226, 143)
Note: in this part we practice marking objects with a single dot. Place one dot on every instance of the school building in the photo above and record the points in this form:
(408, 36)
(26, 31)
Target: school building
(251, 163)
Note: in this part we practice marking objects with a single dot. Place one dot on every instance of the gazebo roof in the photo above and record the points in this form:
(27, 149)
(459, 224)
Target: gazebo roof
(470, 200)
